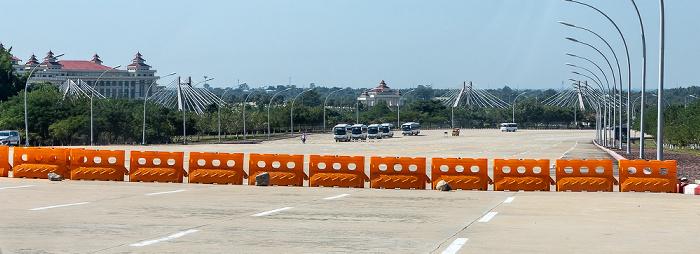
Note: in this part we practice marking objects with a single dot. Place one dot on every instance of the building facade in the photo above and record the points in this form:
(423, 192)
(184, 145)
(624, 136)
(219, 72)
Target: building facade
(130, 83)
(382, 92)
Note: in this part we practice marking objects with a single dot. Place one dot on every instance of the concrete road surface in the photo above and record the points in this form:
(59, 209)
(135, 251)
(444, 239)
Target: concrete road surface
(40, 216)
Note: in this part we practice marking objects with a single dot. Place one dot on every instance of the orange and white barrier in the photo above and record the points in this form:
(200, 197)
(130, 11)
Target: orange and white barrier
(38, 162)
(220, 168)
(284, 169)
(397, 172)
(461, 173)
(104, 165)
(585, 175)
(648, 175)
(334, 170)
(521, 174)
(5, 167)
(156, 167)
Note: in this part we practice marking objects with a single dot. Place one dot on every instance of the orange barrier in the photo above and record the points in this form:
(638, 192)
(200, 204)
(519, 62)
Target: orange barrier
(284, 169)
(156, 166)
(103, 165)
(585, 175)
(220, 168)
(522, 174)
(461, 173)
(397, 172)
(334, 170)
(643, 175)
(38, 162)
(5, 161)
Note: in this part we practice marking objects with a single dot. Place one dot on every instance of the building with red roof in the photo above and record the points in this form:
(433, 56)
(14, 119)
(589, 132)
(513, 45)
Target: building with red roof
(129, 83)
(381, 93)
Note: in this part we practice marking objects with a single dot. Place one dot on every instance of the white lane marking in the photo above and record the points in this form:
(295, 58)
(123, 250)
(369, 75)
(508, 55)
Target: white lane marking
(455, 246)
(57, 206)
(170, 237)
(334, 197)
(165, 192)
(16, 187)
(572, 148)
(509, 200)
(272, 211)
(488, 217)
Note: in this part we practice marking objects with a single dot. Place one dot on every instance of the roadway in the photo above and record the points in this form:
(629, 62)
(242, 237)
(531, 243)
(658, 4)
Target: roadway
(123, 217)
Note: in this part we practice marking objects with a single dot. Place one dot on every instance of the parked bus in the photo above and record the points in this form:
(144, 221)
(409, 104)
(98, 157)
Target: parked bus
(341, 132)
(411, 128)
(359, 131)
(509, 127)
(386, 130)
(374, 131)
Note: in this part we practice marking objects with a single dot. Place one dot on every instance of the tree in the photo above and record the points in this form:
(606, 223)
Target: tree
(10, 84)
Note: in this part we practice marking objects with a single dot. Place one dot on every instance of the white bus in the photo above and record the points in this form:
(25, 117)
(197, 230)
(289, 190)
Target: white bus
(374, 131)
(509, 127)
(341, 132)
(359, 131)
(386, 130)
(410, 128)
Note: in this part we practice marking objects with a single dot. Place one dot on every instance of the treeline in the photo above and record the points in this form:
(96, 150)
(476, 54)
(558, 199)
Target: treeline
(680, 123)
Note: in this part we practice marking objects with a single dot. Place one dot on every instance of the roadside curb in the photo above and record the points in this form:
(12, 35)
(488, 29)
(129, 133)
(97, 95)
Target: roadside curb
(615, 155)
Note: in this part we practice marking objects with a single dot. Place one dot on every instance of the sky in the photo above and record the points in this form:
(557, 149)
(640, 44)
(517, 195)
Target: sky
(358, 43)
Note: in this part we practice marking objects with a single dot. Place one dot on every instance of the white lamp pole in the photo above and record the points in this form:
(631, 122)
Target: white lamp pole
(219, 112)
(516, 98)
(26, 84)
(92, 94)
(324, 108)
(291, 110)
(398, 109)
(244, 102)
(145, 98)
(268, 111)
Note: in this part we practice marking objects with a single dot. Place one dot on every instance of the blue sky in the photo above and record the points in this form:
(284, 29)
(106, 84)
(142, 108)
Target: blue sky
(358, 43)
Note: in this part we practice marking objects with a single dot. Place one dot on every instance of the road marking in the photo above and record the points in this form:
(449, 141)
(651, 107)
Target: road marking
(334, 197)
(181, 234)
(165, 192)
(509, 200)
(455, 246)
(16, 187)
(488, 217)
(572, 148)
(272, 211)
(57, 206)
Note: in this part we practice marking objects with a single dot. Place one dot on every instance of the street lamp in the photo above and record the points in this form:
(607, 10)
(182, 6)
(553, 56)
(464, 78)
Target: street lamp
(26, 84)
(184, 110)
(514, 100)
(145, 98)
(92, 94)
(644, 83)
(268, 111)
(291, 110)
(660, 114)
(244, 102)
(219, 109)
(398, 109)
(324, 107)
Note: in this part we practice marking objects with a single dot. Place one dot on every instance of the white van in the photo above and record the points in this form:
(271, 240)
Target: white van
(10, 138)
(386, 130)
(341, 133)
(509, 127)
(374, 131)
(410, 128)
(359, 131)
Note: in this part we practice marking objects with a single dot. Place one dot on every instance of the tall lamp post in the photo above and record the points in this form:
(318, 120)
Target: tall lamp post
(145, 98)
(324, 107)
(660, 114)
(26, 84)
(291, 110)
(644, 85)
(184, 110)
(514, 100)
(219, 111)
(268, 111)
(398, 109)
(245, 134)
(92, 94)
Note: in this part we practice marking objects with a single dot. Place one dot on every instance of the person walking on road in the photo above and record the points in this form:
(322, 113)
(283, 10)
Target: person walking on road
(303, 138)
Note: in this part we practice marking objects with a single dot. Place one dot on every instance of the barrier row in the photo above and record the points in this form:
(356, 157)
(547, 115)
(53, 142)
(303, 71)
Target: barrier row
(342, 171)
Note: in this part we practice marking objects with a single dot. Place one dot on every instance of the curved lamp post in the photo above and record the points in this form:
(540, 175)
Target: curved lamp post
(291, 110)
(26, 84)
(145, 98)
(219, 111)
(660, 114)
(245, 134)
(268, 110)
(606, 117)
(398, 109)
(644, 85)
(184, 110)
(92, 94)
(324, 107)
(514, 100)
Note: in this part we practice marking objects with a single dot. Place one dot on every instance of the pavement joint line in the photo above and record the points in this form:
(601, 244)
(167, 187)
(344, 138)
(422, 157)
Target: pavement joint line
(16, 187)
(57, 206)
(488, 217)
(509, 200)
(272, 211)
(334, 197)
(455, 246)
(170, 237)
(164, 192)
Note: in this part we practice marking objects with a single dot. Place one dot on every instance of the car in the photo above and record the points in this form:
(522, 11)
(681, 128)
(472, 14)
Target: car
(9, 138)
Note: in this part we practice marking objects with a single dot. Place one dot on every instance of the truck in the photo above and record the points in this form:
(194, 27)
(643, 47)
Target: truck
(387, 130)
(374, 131)
(359, 131)
(410, 128)
(341, 132)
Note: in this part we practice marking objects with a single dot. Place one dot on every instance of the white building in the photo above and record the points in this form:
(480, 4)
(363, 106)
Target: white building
(381, 93)
(130, 83)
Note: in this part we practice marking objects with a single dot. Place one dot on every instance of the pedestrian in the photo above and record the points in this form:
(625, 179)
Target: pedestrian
(303, 138)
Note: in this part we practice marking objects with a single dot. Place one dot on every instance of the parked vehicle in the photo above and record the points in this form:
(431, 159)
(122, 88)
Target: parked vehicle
(374, 131)
(410, 128)
(359, 131)
(10, 138)
(341, 132)
(386, 130)
(509, 127)
(455, 132)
